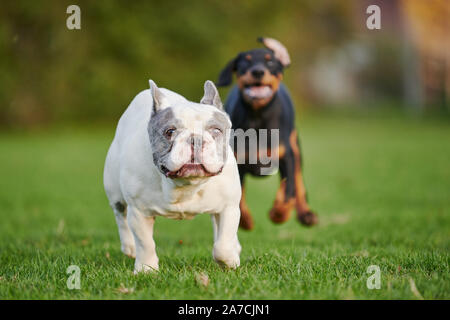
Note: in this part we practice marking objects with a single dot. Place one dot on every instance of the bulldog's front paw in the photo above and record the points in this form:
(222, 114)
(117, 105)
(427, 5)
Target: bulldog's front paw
(227, 256)
(140, 267)
(129, 249)
(238, 248)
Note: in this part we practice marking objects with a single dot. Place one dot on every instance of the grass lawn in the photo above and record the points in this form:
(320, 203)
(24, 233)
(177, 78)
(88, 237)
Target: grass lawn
(381, 185)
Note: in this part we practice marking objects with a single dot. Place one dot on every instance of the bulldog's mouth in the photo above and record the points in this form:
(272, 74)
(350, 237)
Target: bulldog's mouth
(189, 170)
(256, 91)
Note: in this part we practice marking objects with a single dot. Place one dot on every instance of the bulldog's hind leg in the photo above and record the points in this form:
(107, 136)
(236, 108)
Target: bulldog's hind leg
(116, 201)
(127, 244)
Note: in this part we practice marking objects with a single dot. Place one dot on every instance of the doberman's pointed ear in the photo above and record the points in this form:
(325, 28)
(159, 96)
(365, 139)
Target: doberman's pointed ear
(226, 75)
(278, 49)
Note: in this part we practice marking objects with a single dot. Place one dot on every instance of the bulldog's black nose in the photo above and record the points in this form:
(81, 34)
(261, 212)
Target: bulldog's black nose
(196, 147)
(257, 73)
(195, 141)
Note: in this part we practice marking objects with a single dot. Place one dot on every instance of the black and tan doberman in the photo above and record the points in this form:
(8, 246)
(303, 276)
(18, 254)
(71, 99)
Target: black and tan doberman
(260, 101)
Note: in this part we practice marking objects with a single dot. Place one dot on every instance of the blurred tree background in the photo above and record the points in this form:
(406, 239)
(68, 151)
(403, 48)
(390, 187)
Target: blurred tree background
(53, 74)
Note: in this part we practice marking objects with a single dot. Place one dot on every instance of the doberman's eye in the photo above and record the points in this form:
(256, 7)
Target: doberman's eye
(169, 132)
(243, 64)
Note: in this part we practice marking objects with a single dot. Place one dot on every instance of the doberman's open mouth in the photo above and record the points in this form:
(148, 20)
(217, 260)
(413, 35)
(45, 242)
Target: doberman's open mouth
(258, 91)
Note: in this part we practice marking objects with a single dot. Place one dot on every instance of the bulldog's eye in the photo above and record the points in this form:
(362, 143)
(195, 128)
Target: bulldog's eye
(169, 132)
(270, 63)
(216, 131)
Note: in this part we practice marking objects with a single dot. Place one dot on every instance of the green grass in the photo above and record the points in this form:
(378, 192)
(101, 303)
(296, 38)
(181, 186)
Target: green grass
(380, 184)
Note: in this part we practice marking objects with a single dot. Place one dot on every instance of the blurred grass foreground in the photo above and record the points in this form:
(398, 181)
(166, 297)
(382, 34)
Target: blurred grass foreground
(380, 185)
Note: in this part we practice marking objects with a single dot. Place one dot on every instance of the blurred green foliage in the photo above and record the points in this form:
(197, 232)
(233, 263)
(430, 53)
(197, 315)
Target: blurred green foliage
(50, 73)
(53, 74)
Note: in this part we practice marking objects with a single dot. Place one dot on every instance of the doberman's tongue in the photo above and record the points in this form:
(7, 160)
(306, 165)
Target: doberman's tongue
(258, 92)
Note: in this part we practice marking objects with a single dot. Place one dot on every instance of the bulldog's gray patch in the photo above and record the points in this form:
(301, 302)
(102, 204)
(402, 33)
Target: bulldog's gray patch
(220, 120)
(161, 145)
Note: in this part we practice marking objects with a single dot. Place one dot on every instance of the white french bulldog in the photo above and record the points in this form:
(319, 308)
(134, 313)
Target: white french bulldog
(171, 157)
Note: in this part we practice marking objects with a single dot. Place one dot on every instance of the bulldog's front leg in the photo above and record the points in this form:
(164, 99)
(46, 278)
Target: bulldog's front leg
(227, 249)
(142, 228)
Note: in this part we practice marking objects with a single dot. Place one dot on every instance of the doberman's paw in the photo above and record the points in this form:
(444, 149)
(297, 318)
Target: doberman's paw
(279, 214)
(307, 218)
(281, 210)
(246, 221)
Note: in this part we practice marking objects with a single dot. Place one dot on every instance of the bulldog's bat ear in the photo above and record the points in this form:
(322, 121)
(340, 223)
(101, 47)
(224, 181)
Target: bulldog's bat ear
(211, 95)
(226, 75)
(159, 99)
(278, 49)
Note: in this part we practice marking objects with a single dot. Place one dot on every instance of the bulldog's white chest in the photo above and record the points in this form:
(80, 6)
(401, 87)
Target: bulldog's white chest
(179, 215)
(185, 204)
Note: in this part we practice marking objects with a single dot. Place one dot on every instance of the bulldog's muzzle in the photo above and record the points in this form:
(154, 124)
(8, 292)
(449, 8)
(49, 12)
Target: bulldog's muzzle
(189, 170)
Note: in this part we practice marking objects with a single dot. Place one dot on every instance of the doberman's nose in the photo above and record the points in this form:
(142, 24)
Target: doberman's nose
(257, 73)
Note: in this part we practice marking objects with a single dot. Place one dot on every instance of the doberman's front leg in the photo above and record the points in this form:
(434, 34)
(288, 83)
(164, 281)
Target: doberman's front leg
(304, 213)
(285, 197)
(246, 221)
